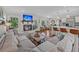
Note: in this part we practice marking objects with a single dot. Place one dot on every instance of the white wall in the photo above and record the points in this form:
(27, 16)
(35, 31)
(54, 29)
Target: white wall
(77, 19)
(20, 16)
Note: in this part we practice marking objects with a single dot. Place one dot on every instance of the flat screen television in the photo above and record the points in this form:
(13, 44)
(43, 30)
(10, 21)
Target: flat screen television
(27, 18)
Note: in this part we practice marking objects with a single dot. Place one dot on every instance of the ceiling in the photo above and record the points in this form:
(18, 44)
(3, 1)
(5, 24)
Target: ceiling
(46, 11)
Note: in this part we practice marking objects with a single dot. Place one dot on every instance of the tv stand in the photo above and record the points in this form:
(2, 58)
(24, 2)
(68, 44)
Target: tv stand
(28, 26)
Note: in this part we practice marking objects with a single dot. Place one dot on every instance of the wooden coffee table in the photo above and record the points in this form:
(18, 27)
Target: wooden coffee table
(37, 38)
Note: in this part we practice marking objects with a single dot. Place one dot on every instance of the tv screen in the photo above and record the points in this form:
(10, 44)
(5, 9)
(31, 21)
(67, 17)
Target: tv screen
(28, 18)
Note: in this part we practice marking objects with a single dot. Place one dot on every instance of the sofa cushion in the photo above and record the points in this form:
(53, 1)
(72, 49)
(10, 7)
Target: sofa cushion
(26, 43)
(53, 40)
(47, 47)
(66, 43)
(36, 50)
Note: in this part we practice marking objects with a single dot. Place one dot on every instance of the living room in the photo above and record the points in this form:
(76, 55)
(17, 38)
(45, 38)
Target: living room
(40, 29)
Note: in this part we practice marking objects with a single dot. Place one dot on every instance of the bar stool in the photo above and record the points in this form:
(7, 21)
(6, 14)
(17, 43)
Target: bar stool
(63, 30)
(56, 30)
(62, 33)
